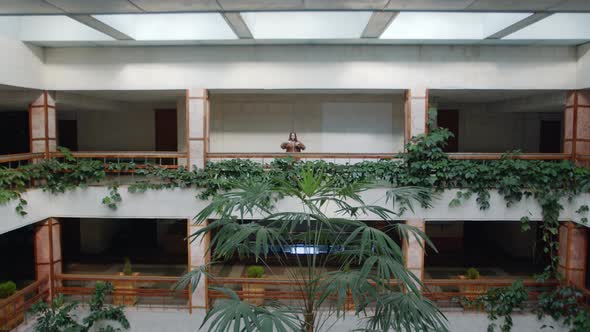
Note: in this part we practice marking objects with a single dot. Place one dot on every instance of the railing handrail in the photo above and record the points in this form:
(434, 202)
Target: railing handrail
(124, 154)
(301, 155)
(6, 158)
(498, 156)
(99, 277)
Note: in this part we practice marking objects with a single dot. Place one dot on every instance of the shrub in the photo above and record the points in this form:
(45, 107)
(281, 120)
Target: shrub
(127, 270)
(6, 289)
(255, 271)
(472, 273)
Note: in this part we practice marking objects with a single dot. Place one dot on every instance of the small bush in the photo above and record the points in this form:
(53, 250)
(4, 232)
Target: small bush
(472, 273)
(255, 271)
(7, 289)
(127, 270)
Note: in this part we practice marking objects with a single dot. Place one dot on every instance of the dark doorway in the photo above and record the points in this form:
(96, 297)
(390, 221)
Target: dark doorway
(67, 134)
(550, 141)
(166, 130)
(14, 132)
(450, 119)
(18, 256)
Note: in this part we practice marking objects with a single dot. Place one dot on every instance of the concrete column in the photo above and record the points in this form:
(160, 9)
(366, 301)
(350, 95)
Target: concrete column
(577, 125)
(416, 112)
(48, 260)
(197, 257)
(573, 244)
(43, 125)
(414, 250)
(197, 127)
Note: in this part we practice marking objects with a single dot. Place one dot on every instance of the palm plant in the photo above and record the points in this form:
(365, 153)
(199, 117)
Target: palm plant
(248, 222)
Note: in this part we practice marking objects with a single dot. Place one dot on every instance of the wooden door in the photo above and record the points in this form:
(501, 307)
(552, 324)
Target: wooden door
(450, 119)
(166, 130)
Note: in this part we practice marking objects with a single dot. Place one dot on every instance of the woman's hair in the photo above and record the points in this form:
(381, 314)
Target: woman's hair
(292, 133)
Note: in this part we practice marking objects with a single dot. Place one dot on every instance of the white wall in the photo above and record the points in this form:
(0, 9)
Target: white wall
(312, 67)
(336, 124)
(584, 66)
(21, 64)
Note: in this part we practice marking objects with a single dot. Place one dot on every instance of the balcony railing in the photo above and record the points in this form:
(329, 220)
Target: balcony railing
(498, 156)
(132, 291)
(139, 158)
(14, 308)
(441, 290)
(267, 157)
(19, 159)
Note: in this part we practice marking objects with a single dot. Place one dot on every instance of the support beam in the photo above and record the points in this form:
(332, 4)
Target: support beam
(43, 125)
(198, 256)
(48, 260)
(197, 127)
(416, 112)
(100, 26)
(413, 250)
(378, 22)
(519, 25)
(573, 244)
(237, 24)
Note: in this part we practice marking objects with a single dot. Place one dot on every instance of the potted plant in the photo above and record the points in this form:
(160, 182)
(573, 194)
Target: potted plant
(254, 291)
(471, 292)
(126, 286)
(9, 317)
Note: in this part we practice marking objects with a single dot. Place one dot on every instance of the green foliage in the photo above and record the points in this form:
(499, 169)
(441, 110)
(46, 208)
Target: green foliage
(127, 270)
(472, 273)
(368, 257)
(563, 304)
(58, 316)
(7, 289)
(113, 198)
(255, 271)
(501, 302)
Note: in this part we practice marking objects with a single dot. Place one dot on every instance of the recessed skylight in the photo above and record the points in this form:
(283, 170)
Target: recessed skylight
(193, 26)
(306, 25)
(448, 26)
(557, 26)
(48, 28)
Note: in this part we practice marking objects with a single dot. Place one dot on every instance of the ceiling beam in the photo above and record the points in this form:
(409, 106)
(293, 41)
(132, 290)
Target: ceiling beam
(536, 17)
(237, 24)
(100, 26)
(378, 22)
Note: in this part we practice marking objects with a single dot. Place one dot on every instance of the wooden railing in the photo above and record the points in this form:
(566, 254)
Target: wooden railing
(19, 159)
(132, 291)
(498, 156)
(139, 158)
(265, 158)
(436, 289)
(14, 308)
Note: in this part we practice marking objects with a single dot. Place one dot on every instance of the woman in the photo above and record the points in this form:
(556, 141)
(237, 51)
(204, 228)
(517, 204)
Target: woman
(293, 145)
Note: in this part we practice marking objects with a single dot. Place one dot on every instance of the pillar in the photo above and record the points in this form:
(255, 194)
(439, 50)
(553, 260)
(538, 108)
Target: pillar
(416, 109)
(48, 261)
(43, 125)
(198, 256)
(197, 127)
(573, 244)
(413, 249)
(577, 126)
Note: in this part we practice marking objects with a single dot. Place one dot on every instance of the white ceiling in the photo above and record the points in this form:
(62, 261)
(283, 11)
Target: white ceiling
(252, 22)
(137, 6)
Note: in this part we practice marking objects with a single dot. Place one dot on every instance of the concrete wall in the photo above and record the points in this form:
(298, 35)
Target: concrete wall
(312, 67)
(21, 64)
(335, 124)
(145, 320)
(182, 204)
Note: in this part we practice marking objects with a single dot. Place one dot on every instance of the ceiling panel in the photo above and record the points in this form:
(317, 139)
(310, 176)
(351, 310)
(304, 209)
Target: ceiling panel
(59, 28)
(429, 4)
(184, 26)
(345, 4)
(177, 5)
(572, 5)
(559, 26)
(27, 7)
(507, 5)
(245, 5)
(306, 25)
(95, 6)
